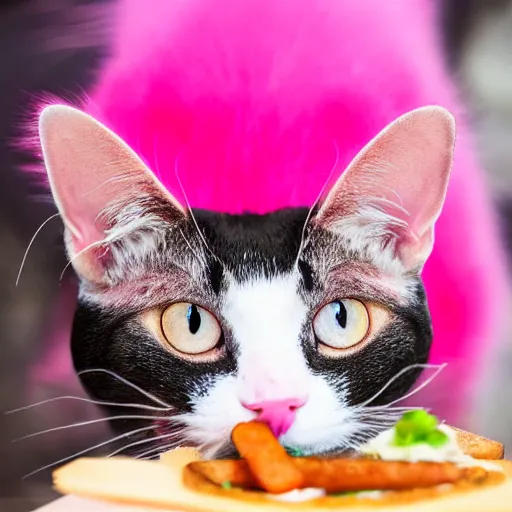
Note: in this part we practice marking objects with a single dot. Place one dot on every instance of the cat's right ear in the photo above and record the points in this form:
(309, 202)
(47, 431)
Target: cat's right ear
(89, 170)
(393, 191)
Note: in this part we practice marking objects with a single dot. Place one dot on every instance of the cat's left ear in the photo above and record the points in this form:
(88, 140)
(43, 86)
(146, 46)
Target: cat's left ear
(90, 170)
(396, 186)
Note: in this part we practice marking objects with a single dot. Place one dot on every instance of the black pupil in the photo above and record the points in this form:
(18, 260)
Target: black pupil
(194, 319)
(341, 314)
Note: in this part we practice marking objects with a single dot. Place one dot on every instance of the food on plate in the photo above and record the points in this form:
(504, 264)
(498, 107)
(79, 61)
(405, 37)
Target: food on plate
(268, 461)
(412, 464)
(418, 436)
(336, 475)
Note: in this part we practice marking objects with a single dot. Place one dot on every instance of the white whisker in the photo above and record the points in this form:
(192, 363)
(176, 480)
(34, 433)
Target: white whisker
(364, 436)
(376, 425)
(92, 422)
(197, 254)
(157, 451)
(382, 418)
(382, 415)
(88, 400)
(78, 254)
(397, 376)
(192, 216)
(30, 245)
(386, 408)
(143, 441)
(322, 190)
(208, 449)
(83, 452)
(421, 386)
(128, 383)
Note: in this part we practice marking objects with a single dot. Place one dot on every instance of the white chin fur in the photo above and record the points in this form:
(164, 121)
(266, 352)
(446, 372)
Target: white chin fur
(321, 425)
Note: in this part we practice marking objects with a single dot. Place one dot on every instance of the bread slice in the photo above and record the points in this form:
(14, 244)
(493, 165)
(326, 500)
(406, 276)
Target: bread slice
(479, 447)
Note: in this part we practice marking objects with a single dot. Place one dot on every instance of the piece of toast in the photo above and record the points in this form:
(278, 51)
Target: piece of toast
(479, 447)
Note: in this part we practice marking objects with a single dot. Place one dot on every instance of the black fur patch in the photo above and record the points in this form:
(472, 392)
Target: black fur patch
(405, 342)
(115, 342)
(253, 244)
(307, 275)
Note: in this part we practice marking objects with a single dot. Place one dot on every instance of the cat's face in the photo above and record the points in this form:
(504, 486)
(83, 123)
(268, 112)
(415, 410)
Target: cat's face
(297, 318)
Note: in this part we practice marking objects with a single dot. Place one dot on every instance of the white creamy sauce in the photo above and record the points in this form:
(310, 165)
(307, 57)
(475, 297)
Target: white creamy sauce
(370, 494)
(384, 448)
(310, 493)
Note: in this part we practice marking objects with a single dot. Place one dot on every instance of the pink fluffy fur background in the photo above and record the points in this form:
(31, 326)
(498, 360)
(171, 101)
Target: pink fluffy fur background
(252, 102)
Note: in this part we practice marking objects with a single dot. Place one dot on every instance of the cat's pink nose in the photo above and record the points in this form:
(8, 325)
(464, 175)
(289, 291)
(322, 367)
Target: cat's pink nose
(277, 414)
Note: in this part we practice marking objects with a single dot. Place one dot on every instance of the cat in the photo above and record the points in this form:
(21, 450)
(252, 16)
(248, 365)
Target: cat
(249, 193)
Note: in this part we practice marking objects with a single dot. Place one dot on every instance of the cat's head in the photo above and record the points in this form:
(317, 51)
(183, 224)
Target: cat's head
(297, 317)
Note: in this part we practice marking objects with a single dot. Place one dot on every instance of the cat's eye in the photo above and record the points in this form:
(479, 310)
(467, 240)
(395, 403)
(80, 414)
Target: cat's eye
(190, 329)
(342, 324)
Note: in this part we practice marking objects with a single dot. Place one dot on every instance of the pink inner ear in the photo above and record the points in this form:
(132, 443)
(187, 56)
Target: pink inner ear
(408, 166)
(90, 169)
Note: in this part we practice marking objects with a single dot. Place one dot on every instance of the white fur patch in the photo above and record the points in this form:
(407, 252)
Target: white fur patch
(366, 231)
(324, 423)
(266, 317)
(372, 234)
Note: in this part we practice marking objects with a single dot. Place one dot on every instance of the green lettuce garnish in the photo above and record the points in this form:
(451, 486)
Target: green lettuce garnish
(226, 485)
(419, 427)
(294, 452)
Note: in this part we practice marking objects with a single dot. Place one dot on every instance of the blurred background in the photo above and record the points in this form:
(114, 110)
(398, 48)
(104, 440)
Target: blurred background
(36, 314)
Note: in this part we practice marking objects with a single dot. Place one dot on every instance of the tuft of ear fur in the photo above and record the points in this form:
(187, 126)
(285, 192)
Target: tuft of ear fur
(91, 171)
(396, 186)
